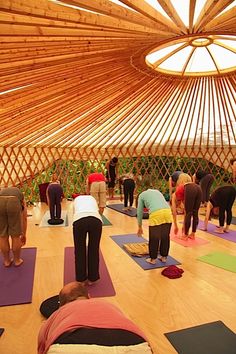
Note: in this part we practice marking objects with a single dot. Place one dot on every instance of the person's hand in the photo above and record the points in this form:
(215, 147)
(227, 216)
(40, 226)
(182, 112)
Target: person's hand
(140, 231)
(23, 239)
(176, 229)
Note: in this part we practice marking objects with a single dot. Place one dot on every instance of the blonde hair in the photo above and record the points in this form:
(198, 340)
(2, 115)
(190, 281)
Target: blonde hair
(183, 178)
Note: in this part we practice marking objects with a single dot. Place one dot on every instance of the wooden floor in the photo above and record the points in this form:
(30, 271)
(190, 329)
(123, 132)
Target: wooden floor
(155, 303)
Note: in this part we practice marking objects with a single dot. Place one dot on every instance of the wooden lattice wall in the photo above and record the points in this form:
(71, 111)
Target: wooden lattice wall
(27, 167)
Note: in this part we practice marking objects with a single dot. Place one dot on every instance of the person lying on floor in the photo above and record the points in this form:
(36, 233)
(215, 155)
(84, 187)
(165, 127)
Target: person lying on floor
(84, 325)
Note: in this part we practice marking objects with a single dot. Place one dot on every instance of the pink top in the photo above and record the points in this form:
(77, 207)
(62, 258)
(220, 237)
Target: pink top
(96, 177)
(95, 313)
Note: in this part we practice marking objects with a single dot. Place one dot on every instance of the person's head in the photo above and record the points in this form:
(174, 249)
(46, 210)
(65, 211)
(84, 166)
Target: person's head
(200, 174)
(114, 160)
(72, 291)
(54, 177)
(183, 179)
(232, 161)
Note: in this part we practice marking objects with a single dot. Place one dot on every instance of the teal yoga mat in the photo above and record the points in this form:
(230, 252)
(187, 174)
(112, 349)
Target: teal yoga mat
(221, 260)
(105, 221)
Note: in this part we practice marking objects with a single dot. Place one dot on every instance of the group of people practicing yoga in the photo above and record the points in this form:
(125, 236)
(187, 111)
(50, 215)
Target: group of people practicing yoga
(83, 321)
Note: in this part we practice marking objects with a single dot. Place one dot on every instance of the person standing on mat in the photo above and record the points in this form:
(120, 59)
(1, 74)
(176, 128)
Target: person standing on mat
(127, 187)
(205, 180)
(112, 175)
(177, 178)
(190, 194)
(160, 220)
(87, 221)
(13, 223)
(96, 186)
(84, 325)
(54, 197)
(222, 198)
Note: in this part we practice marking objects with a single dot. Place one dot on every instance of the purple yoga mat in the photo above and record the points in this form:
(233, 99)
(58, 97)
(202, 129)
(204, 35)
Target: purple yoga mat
(230, 236)
(103, 288)
(16, 283)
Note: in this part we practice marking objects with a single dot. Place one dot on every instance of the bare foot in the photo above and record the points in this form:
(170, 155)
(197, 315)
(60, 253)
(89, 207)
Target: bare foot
(18, 263)
(219, 231)
(192, 236)
(7, 264)
(184, 238)
(150, 260)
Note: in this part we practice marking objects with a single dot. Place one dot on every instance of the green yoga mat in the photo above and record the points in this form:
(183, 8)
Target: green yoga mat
(221, 260)
(105, 221)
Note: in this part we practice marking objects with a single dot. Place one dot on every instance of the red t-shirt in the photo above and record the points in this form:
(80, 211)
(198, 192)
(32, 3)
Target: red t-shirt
(96, 177)
(180, 192)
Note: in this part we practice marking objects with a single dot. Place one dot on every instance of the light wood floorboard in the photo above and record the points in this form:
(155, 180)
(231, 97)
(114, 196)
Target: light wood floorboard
(155, 303)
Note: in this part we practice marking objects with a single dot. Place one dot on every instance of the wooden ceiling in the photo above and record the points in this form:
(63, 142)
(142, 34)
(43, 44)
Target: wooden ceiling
(76, 79)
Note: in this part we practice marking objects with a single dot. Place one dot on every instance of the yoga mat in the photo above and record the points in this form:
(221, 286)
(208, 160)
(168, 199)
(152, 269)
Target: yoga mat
(101, 289)
(229, 236)
(233, 220)
(16, 283)
(119, 207)
(221, 260)
(209, 338)
(132, 212)
(105, 221)
(44, 221)
(122, 239)
(188, 243)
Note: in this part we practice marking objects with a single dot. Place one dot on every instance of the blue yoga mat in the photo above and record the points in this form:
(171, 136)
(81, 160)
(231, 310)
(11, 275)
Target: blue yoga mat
(120, 240)
(119, 207)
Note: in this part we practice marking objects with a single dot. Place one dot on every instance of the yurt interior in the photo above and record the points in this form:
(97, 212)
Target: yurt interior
(151, 82)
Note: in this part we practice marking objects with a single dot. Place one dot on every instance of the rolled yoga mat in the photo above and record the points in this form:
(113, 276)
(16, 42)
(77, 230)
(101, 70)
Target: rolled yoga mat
(16, 283)
(120, 240)
(102, 288)
(209, 338)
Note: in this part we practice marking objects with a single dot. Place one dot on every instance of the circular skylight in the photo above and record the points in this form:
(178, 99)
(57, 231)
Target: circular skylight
(195, 56)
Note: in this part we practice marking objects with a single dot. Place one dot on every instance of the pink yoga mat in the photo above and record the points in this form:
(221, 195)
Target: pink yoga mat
(103, 288)
(188, 243)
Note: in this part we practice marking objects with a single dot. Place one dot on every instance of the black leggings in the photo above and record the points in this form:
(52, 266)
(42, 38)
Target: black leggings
(87, 260)
(129, 186)
(192, 202)
(205, 184)
(159, 238)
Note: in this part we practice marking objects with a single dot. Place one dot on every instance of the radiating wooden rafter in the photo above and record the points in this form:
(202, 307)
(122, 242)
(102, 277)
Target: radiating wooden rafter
(74, 84)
